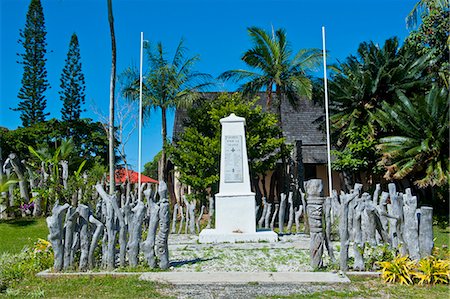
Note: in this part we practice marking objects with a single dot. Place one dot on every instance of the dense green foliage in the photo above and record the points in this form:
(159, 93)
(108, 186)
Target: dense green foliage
(197, 151)
(89, 138)
(34, 79)
(432, 36)
(72, 83)
(16, 267)
(420, 147)
(151, 168)
(359, 154)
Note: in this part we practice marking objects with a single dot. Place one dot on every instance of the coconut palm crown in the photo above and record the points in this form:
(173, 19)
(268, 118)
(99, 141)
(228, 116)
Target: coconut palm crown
(167, 84)
(275, 68)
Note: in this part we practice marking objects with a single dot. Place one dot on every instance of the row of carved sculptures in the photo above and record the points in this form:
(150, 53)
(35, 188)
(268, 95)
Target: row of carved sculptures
(392, 218)
(75, 232)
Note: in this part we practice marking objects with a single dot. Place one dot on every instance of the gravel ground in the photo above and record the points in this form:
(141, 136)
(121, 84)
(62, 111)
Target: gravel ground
(290, 254)
(287, 255)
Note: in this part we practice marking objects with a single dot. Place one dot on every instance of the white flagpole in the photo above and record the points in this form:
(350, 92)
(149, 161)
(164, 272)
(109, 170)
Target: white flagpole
(325, 83)
(140, 119)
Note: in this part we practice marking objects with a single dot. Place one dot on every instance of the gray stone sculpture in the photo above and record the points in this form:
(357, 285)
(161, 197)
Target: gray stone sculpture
(344, 229)
(69, 227)
(298, 214)
(275, 213)
(315, 209)
(327, 213)
(426, 231)
(358, 244)
(83, 222)
(199, 218)
(281, 213)
(135, 230)
(99, 228)
(268, 213)
(411, 228)
(264, 212)
(291, 213)
(148, 246)
(174, 218)
(110, 217)
(210, 211)
(162, 247)
(55, 227)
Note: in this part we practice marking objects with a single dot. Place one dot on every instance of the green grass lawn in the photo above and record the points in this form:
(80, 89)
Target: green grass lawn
(441, 236)
(84, 287)
(15, 234)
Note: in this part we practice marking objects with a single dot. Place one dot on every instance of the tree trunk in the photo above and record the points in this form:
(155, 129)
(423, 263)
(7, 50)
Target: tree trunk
(112, 88)
(163, 152)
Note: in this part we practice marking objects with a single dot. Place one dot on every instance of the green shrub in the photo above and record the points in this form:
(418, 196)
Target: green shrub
(15, 267)
(431, 270)
(400, 269)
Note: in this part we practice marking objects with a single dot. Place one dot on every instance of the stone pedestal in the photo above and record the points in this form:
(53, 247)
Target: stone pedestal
(235, 203)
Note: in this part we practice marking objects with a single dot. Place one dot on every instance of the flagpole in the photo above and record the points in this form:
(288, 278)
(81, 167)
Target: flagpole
(325, 83)
(140, 119)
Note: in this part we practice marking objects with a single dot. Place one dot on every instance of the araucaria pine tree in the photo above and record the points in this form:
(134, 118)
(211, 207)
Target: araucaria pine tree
(34, 80)
(72, 83)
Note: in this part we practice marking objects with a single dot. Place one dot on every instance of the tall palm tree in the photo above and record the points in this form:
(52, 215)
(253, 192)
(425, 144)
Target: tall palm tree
(167, 84)
(419, 146)
(276, 71)
(112, 89)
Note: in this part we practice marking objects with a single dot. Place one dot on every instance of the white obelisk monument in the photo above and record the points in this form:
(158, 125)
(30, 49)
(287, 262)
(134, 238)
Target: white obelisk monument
(235, 203)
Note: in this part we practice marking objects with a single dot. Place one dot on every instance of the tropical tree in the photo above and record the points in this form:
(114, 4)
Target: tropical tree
(420, 145)
(72, 83)
(276, 71)
(168, 84)
(34, 79)
(422, 9)
(432, 35)
(363, 82)
(359, 87)
(112, 90)
(196, 152)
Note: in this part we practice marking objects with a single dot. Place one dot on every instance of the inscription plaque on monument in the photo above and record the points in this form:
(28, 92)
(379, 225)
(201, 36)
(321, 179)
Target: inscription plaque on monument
(233, 159)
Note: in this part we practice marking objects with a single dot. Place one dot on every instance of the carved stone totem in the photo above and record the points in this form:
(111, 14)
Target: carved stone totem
(315, 210)
(162, 247)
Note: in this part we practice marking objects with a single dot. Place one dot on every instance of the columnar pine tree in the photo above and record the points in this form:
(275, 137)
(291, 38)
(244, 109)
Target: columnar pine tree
(34, 80)
(72, 83)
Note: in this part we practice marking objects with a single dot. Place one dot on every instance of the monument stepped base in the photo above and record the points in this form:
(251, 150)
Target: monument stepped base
(215, 236)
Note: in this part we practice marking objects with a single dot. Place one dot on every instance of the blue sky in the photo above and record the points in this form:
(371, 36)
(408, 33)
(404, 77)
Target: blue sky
(214, 29)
